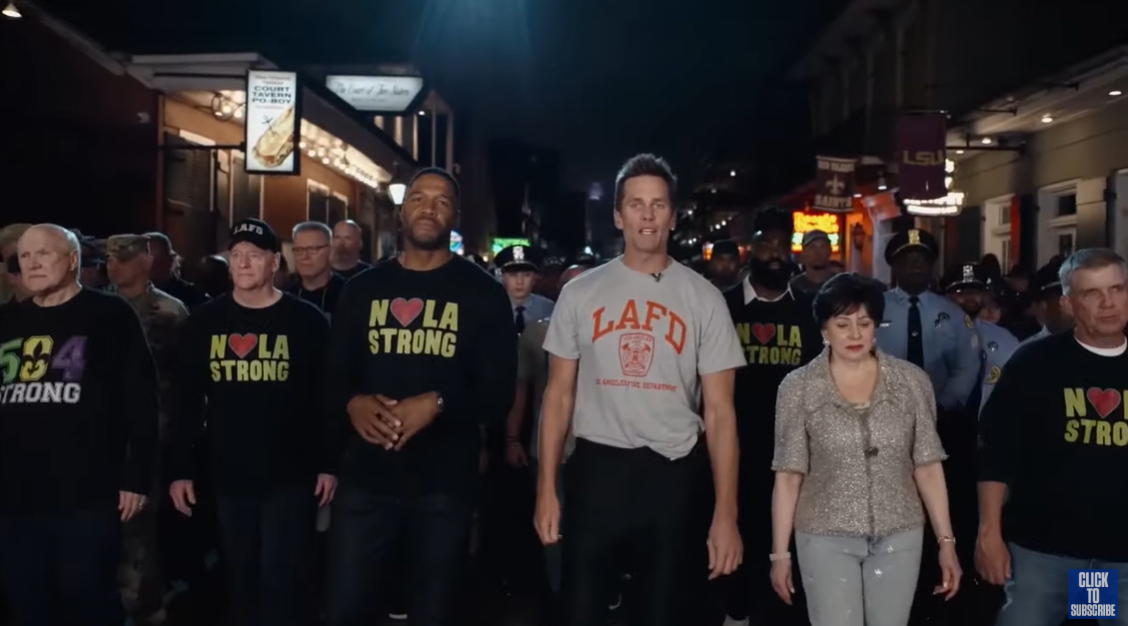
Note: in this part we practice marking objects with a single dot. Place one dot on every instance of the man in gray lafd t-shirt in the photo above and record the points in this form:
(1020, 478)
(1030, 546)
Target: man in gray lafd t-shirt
(635, 346)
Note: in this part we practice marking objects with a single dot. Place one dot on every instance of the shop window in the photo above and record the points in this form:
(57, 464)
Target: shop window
(318, 207)
(337, 208)
(1066, 243)
(189, 190)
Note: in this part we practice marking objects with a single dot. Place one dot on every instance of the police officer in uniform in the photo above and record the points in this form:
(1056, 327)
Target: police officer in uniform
(965, 285)
(935, 334)
(518, 269)
(1045, 293)
(924, 328)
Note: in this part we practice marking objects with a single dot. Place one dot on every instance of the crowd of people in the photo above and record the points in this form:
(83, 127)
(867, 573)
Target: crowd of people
(769, 441)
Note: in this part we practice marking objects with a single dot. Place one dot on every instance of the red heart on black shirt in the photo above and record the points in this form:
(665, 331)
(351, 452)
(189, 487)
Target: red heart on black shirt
(1104, 401)
(405, 311)
(242, 344)
(763, 332)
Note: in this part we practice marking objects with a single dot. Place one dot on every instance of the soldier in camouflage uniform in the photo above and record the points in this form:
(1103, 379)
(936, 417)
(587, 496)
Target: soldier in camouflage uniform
(129, 264)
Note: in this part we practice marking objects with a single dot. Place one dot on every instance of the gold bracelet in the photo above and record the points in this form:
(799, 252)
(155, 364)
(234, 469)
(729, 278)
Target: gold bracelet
(946, 539)
(783, 556)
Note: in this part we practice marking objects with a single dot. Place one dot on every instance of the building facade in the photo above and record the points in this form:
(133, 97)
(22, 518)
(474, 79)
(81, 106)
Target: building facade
(997, 78)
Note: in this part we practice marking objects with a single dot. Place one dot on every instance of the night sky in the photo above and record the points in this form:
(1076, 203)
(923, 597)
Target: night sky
(598, 79)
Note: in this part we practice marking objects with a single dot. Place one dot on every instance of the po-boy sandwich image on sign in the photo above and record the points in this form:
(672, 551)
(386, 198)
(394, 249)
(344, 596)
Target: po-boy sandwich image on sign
(272, 122)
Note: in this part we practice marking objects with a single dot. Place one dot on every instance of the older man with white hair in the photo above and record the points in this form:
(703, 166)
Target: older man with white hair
(78, 396)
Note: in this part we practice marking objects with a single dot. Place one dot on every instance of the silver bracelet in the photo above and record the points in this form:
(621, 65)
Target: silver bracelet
(783, 556)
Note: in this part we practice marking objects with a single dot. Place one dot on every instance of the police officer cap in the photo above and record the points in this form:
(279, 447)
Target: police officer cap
(914, 238)
(516, 259)
(1047, 282)
(964, 277)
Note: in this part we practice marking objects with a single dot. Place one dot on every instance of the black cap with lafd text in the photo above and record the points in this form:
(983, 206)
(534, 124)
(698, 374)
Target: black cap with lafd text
(255, 232)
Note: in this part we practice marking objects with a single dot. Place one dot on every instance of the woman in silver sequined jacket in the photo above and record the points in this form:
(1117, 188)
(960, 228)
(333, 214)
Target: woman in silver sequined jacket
(856, 452)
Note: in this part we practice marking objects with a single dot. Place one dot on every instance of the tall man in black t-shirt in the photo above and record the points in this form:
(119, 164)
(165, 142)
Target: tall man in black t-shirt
(777, 330)
(1054, 447)
(424, 350)
(251, 371)
(78, 436)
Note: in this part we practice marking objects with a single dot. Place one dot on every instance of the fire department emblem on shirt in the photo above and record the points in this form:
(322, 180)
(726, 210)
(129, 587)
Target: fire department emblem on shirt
(993, 375)
(636, 352)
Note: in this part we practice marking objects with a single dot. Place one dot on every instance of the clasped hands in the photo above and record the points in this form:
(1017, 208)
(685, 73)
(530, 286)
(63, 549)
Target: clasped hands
(389, 423)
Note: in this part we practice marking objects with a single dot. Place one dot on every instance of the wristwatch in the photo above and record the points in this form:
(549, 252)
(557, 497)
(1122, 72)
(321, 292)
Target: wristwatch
(439, 402)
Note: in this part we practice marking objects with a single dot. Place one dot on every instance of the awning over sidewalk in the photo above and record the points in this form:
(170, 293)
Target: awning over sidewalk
(370, 154)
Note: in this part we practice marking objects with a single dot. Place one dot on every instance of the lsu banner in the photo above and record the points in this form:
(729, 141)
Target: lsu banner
(834, 185)
(921, 140)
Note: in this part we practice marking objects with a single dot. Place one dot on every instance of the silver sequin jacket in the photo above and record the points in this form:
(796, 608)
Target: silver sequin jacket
(858, 462)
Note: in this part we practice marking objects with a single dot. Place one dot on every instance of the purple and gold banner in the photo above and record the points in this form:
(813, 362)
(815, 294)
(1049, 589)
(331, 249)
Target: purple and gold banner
(834, 185)
(921, 140)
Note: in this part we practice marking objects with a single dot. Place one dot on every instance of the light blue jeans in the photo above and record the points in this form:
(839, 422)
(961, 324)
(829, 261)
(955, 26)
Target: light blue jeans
(1038, 589)
(852, 581)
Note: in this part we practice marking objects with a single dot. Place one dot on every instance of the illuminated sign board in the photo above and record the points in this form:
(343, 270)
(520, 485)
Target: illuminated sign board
(949, 205)
(804, 222)
(456, 242)
(500, 243)
(378, 94)
(270, 130)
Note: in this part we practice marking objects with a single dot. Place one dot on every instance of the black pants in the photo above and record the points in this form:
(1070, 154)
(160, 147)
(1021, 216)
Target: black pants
(267, 541)
(368, 528)
(748, 592)
(60, 568)
(638, 502)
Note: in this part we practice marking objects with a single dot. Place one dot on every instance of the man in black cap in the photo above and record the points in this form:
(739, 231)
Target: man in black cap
(1045, 293)
(519, 275)
(724, 264)
(816, 263)
(252, 365)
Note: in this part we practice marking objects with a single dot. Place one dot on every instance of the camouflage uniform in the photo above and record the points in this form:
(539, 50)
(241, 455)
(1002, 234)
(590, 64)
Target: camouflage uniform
(162, 317)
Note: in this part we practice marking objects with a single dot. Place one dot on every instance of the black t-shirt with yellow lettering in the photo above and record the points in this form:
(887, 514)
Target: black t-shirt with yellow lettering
(251, 382)
(777, 337)
(403, 333)
(1055, 431)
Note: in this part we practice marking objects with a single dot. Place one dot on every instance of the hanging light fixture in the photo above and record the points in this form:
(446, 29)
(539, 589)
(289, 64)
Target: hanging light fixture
(12, 11)
(397, 188)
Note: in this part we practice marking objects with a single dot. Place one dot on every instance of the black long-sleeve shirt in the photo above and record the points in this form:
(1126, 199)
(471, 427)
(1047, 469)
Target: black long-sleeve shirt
(251, 381)
(1055, 431)
(403, 333)
(78, 404)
